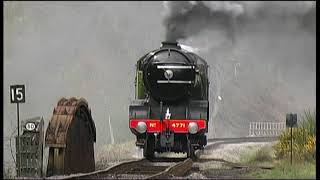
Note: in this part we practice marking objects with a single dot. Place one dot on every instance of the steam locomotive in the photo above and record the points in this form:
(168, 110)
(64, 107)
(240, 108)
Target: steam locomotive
(170, 112)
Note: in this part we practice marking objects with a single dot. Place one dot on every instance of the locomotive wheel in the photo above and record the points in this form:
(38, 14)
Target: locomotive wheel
(190, 151)
(148, 149)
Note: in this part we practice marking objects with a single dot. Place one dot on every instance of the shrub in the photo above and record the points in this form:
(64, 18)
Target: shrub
(304, 138)
(262, 155)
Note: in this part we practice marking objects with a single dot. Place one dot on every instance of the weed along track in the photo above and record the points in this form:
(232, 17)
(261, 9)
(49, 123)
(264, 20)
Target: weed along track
(212, 167)
(224, 168)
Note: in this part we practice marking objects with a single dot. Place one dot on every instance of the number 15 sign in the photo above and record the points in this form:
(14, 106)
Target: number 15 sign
(17, 93)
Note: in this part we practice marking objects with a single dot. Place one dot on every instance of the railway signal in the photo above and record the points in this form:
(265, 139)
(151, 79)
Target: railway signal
(17, 95)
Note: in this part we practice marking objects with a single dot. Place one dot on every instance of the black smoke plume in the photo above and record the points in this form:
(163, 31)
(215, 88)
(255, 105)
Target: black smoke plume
(187, 18)
(261, 57)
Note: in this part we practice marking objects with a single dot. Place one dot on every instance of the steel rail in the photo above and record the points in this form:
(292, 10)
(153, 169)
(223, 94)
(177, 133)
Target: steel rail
(104, 171)
(176, 169)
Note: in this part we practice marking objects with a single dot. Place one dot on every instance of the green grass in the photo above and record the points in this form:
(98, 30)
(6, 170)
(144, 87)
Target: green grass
(284, 170)
(308, 122)
(265, 156)
(258, 157)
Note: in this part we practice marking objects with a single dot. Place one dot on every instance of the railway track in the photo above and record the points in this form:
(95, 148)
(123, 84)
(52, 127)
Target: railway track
(164, 168)
(139, 169)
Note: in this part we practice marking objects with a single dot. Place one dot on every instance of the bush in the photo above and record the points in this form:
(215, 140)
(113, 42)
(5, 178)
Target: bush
(304, 139)
(263, 155)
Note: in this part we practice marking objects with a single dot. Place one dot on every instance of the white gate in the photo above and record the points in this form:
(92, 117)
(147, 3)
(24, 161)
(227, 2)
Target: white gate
(266, 128)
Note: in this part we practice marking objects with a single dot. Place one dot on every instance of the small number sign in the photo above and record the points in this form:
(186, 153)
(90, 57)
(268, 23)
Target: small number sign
(30, 126)
(17, 94)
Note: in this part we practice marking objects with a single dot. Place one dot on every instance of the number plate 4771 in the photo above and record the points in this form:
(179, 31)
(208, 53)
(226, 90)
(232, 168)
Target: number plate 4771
(178, 125)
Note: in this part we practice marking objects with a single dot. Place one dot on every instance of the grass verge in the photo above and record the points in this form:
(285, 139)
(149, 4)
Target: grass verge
(278, 155)
(284, 170)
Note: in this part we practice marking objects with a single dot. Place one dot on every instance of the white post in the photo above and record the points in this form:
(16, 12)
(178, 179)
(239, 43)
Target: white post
(273, 129)
(259, 128)
(111, 131)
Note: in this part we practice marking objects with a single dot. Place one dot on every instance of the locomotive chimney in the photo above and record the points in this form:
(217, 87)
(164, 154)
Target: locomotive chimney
(170, 44)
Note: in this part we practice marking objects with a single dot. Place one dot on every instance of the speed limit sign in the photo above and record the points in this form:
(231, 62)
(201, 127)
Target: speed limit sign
(17, 94)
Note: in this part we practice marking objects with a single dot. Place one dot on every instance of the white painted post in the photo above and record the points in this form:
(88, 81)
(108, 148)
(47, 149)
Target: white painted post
(256, 128)
(259, 128)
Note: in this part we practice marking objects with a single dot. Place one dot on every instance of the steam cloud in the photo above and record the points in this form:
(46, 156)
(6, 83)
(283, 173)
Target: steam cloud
(186, 18)
(261, 57)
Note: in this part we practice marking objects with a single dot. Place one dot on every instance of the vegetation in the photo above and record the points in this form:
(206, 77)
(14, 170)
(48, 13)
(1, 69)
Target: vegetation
(304, 140)
(278, 155)
(284, 170)
(261, 157)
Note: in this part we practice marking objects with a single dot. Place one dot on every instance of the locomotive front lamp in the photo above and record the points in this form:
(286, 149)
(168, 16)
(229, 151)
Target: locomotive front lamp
(193, 128)
(141, 127)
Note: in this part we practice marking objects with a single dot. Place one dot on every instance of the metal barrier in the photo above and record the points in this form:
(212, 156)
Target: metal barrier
(266, 128)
